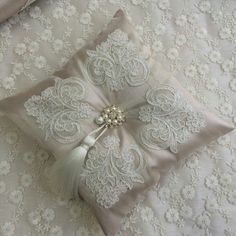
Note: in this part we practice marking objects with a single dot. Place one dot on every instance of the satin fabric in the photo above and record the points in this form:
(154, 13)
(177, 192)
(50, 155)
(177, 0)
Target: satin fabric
(10, 7)
(158, 161)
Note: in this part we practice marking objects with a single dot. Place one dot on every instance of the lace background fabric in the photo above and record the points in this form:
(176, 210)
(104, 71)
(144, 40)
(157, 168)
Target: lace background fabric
(196, 40)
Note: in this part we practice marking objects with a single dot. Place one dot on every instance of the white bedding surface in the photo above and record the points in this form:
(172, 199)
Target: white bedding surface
(195, 40)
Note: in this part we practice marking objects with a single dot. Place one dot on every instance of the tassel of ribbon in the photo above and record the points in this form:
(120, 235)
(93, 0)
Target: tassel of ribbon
(65, 173)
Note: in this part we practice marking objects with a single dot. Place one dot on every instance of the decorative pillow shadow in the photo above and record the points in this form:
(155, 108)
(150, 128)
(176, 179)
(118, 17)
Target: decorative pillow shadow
(115, 120)
(9, 8)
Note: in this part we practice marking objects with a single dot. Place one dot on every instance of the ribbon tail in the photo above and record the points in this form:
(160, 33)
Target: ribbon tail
(65, 173)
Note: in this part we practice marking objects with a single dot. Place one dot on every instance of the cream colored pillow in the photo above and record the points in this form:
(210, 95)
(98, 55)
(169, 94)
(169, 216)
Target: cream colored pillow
(115, 120)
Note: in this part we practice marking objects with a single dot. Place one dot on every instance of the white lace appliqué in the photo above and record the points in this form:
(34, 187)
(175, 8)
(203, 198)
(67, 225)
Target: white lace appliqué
(116, 62)
(170, 119)
(108, 172)
(59, 109)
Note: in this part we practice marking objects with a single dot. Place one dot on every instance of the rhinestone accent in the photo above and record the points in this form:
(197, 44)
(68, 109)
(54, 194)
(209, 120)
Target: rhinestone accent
(111, 116)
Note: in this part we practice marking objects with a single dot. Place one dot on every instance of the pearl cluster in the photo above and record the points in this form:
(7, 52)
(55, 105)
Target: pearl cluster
(111, 116)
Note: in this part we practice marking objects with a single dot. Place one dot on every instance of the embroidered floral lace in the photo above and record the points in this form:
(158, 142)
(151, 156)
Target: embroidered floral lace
(110, 172)
(117, 62)
(59, 110)
(170, 119)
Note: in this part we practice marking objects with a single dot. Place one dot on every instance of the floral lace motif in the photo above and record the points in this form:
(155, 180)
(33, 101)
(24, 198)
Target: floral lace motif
(169, 118)
(59, 110)
(108, 172)
(117, 62)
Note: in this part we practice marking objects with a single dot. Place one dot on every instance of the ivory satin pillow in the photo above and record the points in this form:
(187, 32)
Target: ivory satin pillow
(115, 120)
(10, 7)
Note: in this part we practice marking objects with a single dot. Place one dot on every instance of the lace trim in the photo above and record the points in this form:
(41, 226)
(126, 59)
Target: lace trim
(117, 62)
(170, 119)
(59, 110)
(108, 172)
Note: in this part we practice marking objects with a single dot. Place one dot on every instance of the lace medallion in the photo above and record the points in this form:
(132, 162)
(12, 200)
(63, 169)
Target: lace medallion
(109, 172)
(117, 62)
(59, 110)
(170, 119)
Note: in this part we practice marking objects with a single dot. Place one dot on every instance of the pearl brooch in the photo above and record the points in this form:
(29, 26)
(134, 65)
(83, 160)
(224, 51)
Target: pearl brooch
(111, 117)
